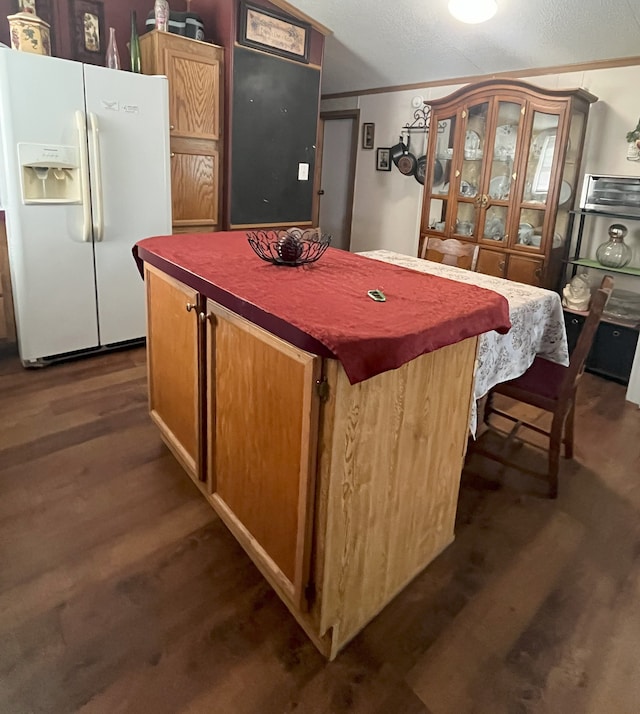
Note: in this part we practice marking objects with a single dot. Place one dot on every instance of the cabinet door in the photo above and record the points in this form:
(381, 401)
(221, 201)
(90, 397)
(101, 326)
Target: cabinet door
(523, 269)
(613, 351)
(491, 262)
(502, 148)
(173, 366)
(194, 182)
(194, 98)
(263, 412)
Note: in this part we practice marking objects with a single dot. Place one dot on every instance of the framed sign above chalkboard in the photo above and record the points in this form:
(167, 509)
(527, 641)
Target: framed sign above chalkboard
(268, 30)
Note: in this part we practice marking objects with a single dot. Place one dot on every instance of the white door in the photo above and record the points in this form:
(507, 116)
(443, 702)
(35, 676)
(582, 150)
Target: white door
(128, 121)
(336, 182)
(51, 267)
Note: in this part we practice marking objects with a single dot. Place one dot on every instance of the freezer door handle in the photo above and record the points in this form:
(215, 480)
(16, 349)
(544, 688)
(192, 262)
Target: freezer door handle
(81, 124)
(98, 224)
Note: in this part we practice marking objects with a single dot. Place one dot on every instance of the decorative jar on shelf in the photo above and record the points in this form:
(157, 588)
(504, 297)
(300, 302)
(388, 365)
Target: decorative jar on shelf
(161, 13)
(29, 33)
(615, 253)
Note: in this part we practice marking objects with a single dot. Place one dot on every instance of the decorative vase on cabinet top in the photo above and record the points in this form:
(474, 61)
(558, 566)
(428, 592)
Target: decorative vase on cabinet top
(113, 56)
(134, 45)
(615, 253)
(161, 12)
(29, 33)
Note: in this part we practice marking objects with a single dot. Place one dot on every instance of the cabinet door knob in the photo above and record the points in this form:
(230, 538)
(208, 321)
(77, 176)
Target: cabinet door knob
(616, 333)
(321, 192)
(171, 127)
(501, 265)
(457, 172)
(538, 272)
(172, 154)
(575, 321)
(191, 306)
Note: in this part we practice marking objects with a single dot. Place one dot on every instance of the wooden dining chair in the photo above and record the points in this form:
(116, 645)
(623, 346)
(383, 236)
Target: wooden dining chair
(451, 252)
(552, 387)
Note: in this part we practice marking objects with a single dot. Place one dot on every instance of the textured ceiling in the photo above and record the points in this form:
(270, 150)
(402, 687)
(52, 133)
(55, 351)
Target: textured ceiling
(381, 43)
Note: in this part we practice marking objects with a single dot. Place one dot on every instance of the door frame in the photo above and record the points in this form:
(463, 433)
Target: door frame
(354, 115)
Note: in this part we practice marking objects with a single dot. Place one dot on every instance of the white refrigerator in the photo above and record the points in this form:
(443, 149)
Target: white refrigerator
(84, 157)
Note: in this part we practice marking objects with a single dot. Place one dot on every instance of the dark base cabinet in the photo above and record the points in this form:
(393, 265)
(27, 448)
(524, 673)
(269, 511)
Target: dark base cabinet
(613, 348)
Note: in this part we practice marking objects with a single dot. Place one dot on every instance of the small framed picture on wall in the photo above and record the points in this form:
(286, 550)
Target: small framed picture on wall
(383, 160)
(89, 41)
(368, 134)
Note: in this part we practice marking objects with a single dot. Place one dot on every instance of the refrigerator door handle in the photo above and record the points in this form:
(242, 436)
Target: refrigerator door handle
(83, 139)
(98, 225)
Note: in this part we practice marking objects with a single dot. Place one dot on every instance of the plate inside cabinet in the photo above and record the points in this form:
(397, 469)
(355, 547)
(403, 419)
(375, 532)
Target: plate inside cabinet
(499, 187)
(525, 233)
(471, 145)
(505, 143)
(565, 192)
(494, 229)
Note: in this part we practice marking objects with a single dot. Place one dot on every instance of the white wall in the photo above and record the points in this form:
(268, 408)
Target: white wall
(386, 211)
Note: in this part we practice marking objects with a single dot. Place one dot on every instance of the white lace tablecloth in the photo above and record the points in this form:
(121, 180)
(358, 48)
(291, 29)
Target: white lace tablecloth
(537, 324)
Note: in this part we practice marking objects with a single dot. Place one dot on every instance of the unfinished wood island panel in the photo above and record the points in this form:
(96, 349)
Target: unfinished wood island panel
(195, 73)
(339, 493)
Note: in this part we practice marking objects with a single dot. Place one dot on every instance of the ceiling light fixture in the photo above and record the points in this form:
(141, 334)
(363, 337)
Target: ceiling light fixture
(473, 11)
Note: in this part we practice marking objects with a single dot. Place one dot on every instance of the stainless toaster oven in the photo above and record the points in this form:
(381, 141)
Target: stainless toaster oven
(611, 194)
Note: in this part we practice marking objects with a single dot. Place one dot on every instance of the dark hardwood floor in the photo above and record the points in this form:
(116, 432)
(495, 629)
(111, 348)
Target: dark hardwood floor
(121, 591)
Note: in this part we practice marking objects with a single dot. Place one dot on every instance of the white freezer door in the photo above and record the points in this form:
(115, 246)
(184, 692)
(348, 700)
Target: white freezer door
(51, 268)
(128, 118)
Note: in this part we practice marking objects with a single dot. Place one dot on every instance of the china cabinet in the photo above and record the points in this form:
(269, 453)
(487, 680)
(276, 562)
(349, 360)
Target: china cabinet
(504, 160)
(195, 73)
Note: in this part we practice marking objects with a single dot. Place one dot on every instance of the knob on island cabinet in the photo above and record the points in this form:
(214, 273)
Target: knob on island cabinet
(503, 166)
(195, 73)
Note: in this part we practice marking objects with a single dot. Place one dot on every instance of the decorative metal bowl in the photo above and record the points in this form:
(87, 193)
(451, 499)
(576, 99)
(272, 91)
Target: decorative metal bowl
(291, 247)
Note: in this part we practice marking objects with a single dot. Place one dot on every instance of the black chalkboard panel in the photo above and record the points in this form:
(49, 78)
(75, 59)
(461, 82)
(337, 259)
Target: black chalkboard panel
(275, 115)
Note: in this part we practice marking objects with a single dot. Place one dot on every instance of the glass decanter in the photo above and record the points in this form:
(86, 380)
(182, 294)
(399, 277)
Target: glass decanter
(615, 253)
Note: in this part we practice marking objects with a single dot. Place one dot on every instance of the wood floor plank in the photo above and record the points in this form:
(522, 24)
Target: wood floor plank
(121, 590)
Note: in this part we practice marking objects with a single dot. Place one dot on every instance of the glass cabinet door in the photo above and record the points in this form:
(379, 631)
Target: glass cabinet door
(503, 152)
(468, 191)
(570, 178)
(541, 158)
(440, 173)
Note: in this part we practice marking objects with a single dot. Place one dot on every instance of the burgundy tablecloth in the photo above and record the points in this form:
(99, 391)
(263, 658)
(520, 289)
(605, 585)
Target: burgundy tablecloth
(328, 300)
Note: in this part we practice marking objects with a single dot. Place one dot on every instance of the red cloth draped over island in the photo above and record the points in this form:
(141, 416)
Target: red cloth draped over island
(328, 300)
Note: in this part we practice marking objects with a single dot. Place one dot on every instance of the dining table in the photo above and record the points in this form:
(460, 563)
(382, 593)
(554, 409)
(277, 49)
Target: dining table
(537, 324)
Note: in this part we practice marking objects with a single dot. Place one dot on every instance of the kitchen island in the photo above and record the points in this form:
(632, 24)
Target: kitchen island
(327, 431)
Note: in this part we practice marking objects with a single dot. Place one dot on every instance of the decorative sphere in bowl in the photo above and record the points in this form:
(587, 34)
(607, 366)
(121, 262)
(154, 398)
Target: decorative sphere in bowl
(291, 247)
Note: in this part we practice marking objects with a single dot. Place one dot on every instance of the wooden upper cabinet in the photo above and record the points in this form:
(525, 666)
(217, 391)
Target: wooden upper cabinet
(194, 111)
(502, 171)
(195, 73)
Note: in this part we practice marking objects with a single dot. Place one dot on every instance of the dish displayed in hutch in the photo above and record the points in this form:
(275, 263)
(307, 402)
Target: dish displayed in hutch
(503, 161)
